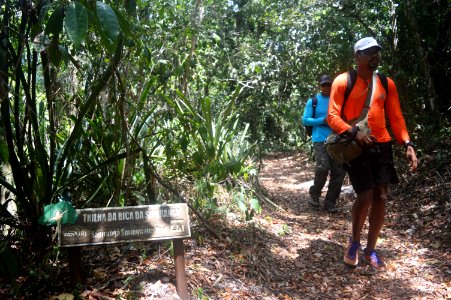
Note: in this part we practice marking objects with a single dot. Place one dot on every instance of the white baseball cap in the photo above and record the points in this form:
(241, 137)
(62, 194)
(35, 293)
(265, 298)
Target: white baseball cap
(365, 43)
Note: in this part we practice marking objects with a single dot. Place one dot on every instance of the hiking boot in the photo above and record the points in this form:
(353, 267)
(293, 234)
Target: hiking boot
(331, 209)
(314, 202)
(373, 260)
(351, 256)
(314, 197)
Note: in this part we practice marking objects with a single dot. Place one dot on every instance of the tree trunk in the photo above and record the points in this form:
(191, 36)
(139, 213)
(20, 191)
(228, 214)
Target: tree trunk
(422, 59)
(195, 24)
(151, 181)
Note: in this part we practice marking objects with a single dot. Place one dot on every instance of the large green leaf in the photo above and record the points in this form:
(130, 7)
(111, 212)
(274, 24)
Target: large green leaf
(55, 54)
(108, 21)
(55, 22)
(61, 209)
(76, 22)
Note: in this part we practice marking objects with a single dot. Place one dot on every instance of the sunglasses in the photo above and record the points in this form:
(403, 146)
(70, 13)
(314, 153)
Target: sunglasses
(370, 52)
(326, 84)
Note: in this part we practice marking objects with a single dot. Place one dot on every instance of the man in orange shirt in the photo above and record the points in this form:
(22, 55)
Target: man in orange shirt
(373, 170)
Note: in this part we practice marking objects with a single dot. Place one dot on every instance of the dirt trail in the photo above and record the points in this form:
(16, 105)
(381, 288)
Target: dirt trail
(316, 240)
(292, 252)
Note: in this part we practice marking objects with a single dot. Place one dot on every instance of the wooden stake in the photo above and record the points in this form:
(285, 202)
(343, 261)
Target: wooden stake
(73, 255)
(180, 275)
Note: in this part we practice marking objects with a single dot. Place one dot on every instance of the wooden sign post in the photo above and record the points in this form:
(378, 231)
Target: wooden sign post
(98, 226)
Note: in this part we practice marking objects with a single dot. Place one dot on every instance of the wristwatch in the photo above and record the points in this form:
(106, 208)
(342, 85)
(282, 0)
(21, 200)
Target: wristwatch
(407, 144)
(355, 128)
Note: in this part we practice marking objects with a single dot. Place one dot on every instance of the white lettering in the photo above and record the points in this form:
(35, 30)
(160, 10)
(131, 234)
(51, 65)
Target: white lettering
(105, 234)
(111, 216)
(135, 232)
(139, 215)
(94, 218)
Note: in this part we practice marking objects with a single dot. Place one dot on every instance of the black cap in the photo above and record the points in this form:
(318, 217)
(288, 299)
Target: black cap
(325, 79)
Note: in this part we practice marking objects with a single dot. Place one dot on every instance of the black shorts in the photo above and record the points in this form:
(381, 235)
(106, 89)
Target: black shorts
(373, 168)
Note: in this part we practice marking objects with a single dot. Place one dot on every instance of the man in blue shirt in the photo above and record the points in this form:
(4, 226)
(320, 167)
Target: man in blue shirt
(324, 163)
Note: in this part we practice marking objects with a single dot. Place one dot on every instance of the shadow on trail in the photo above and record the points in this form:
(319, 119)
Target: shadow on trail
(323, 271)
(310, 269)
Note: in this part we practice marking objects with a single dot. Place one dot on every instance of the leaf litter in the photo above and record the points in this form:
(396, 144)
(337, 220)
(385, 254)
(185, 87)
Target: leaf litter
(293, 252)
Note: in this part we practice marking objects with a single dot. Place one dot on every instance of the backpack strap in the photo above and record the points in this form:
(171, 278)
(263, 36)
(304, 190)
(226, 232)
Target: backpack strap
(383, 79)
(314, 103)
(351, 79)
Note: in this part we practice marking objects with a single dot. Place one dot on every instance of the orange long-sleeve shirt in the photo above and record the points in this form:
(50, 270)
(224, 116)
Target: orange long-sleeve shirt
(376, 115)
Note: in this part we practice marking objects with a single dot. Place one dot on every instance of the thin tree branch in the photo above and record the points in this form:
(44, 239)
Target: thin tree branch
(182, 199)
(101, 83)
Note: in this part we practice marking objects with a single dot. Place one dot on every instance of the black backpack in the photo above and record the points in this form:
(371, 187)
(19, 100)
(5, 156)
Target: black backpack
(309, 129)
(352, 78)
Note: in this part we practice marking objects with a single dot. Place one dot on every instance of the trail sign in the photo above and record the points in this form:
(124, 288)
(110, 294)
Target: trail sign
(95, 226)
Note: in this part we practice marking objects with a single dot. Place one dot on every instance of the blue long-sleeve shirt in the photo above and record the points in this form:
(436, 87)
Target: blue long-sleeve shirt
(320, 129)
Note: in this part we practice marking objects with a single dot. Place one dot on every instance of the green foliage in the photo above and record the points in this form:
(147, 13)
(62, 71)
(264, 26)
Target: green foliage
(76, 22)
(108, 22)
(204, 197)
(215, 147)
(247, 203)
(200, 294)
(48, 116)
(284, 230)
(56, 20)
(210, 149)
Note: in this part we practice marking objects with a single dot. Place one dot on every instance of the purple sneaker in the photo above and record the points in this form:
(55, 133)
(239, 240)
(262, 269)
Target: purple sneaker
(374, 261)
(351, 256)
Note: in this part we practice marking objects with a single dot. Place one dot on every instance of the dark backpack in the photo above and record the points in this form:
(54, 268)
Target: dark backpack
(309, 129)
(352, 78)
